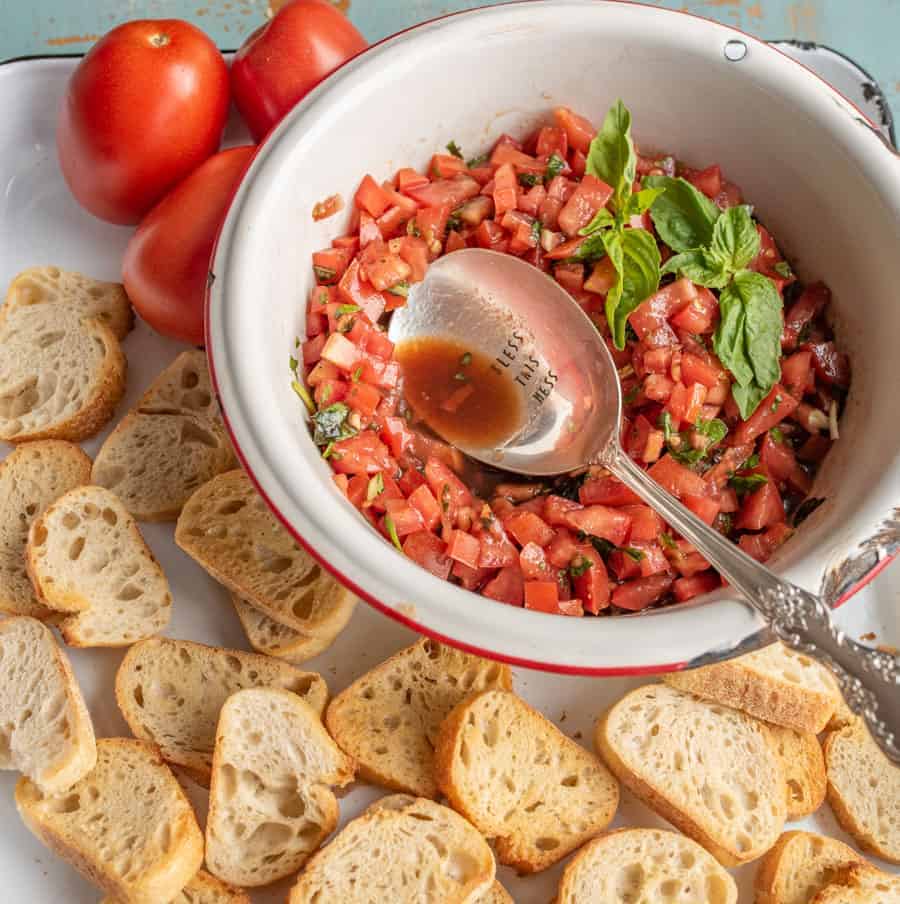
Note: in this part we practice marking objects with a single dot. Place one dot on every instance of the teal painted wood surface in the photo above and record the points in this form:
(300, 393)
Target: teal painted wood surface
(866, 30)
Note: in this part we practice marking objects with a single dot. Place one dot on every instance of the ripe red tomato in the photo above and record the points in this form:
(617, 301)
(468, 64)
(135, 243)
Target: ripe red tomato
(167, 260)
(145, 107)
(285, 59)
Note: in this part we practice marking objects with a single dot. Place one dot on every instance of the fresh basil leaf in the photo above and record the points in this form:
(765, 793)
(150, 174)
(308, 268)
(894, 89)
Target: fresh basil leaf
(555, 165)
(728, 339)
(602, 219)
(331, 424)
(635, 255)
(611, 156)
(763, 325)
(749, 397)
(698, 266)
(642, 200)
(591, 249)
(783, 269)
(683, 216)
(453, 148)
(735, 239)
(636, 555)
(715, 430)
(579, 565)
(747, 483)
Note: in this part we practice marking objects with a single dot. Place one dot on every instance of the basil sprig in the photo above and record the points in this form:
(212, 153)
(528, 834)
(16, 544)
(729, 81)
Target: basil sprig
(714, 249)
(633, 252)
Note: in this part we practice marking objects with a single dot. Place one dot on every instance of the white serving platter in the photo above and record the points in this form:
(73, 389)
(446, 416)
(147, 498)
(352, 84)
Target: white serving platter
(41, 224)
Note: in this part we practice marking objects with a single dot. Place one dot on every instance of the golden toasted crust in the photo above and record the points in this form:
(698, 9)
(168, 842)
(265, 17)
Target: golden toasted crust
(804, 770)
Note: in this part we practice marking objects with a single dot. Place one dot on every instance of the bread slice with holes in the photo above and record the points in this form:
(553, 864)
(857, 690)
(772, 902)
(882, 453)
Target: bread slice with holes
(271, 802)
(203, 889)
(227, 528)
(272, 638)
(713, 772)
(496, 894)
(774, 684)
(860, 884)
(388, 720)
(645, 866)
(516, 777)
(104, 301)
(804, 770)
(864, 790)
(172, 691)
(86, 556)
(45, 728)
(402, 849)
(61, 374)
(31, 477)
(126, 825)
(798, 866)
(169, 445)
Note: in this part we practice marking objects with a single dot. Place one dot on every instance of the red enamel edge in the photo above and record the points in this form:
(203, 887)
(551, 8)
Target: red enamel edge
(585, 671)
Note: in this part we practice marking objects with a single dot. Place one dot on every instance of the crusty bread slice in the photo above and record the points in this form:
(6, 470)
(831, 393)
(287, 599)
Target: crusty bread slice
(864, 790)
(45, 728)
(496, 894)
(860, 884)
(127, 825)
(404, 850)
(172, 691)
(388, 720)
(270, 800)
(520, 780)
(804, 770)
(61, 374)
(167, 447)
(645, 866)
(228, 529)
(774, 684)
(268, 636)
(85, 555)
(203, 889)
(713, 772)
(105, 301)
(31, 477)
(799, 865)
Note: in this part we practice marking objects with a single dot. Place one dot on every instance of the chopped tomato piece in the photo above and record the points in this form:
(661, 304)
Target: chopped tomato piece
(557, 510)
(699, 315)
(590, 196)
(781, 463)
(797, 374)
(832, 366)
(601, 521)
(354, 289)
(761, 509)
(645, 523)
(677, 479)
(709, 181)
(641, 592)
(508, 586)
(423, 501)
(695, 370)
(330, 391)
(685, 403)
(496, 549)
(704, 507)
(341, 352)
(415, 252)
(687, 588)
(429, 551)
(312, 349)
(606, 491)
(361, 454)
(505, 190)
(445, 192)
(603, 277)
(463, 547)
(446, 165)
(623, 565)
(542, 596)
(570, 607)
(579, 131)
(407, 178)
(802, 312)
(448, 489)
(761, 546)
(592, 585)
(653, 559)
(552, 140)
(363, 398)
(533, 562)
(563, 548)
(369, 230)
(432, 224)
(372, 198)
(469, 578)
(527, 527)
(650, 319)
(330, 263)
(772, 410)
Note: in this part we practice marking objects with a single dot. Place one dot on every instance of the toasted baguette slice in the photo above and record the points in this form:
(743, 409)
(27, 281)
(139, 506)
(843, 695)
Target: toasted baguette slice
(45, 728)
(388, 720)
(713, 772)
(800, 865)
(774, 684)
(173, 442)
(203, 889)
(516, 777)
(126, 826)
(86, 555)
(227, 528)
(864, 790)
(268, 636)
(270, 800)
(172, 691)
(804, 770)
(861, 884)
(404, 850)
(645, 866)
(31, 477)
(105, 301)
(496, 894)
(61, 374)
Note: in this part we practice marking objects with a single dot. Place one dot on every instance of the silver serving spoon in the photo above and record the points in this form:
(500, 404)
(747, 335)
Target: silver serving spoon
(572, 401)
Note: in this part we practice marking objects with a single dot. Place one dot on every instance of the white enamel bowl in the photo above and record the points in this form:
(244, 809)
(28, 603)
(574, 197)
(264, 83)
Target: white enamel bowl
(818, 174)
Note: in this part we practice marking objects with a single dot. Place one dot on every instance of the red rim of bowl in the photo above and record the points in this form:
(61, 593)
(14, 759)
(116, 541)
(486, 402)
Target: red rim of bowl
(406, 621)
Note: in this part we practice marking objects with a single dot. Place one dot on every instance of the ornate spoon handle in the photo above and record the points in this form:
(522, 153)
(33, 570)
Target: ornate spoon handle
(869, 678)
